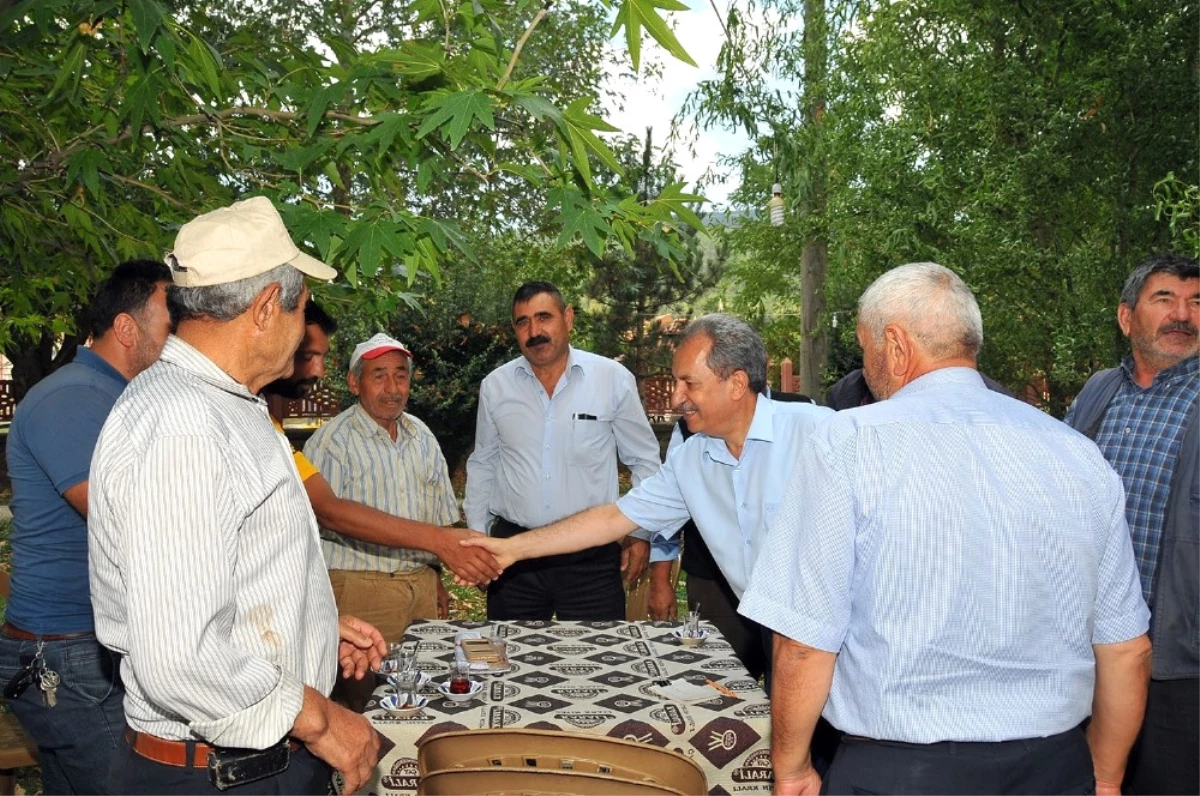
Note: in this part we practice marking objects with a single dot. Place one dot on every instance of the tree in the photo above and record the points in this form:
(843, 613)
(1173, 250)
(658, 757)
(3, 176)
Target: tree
(627, 293)
(1019, 144)
(124, 119)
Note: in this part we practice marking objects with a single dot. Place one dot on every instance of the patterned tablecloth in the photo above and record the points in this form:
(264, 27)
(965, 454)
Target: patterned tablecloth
(593, 677)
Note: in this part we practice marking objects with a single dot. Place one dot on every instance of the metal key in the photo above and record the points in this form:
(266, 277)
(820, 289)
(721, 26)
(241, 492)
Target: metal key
(49, 684)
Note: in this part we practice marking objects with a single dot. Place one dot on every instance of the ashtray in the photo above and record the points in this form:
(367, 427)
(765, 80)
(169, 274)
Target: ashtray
(394, 707)
(690, 641)
(444, 689)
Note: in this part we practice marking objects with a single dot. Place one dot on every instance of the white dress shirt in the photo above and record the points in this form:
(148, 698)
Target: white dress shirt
(539, 458)
(206, 567)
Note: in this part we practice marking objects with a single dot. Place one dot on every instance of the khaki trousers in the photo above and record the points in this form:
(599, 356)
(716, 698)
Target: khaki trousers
(388, 600)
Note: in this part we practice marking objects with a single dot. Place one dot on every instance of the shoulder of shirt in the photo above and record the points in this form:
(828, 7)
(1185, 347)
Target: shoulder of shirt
(419, 426)
(329, 431)
(590, 361)
(71, 377)
(188, 412)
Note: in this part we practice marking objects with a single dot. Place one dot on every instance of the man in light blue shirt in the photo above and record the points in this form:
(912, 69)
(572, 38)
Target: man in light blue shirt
(551, 425)
(729, 476)
(950, 578)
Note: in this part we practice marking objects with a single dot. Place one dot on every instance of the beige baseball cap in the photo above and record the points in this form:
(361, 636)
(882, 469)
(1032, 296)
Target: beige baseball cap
(246, 239)
(377, 346)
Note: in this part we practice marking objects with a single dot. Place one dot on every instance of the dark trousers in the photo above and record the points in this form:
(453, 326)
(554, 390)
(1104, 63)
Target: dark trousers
(132, 773)
(1166, 757)
(718, 605)
(1058, 764)
(78, 737)
(575, 586)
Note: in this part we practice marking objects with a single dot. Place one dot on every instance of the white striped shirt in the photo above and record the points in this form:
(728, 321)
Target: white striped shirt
(206, 571)
(406, 477)
(961, 551)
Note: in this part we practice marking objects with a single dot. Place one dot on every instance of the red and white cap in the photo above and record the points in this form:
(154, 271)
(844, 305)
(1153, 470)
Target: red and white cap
(377, 346)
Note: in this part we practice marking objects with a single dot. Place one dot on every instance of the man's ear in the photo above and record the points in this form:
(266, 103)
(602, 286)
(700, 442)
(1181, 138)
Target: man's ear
(125, 329)
(898, 349)
(352, 382)
(1124, 318)
(740, 382)
(265, 306)
(569, 314)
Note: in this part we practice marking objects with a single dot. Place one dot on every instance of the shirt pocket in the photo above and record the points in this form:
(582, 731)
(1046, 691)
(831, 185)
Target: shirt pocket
(591, 442)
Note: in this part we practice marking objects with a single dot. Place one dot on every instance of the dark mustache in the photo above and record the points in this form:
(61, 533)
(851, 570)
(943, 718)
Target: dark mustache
(537, 340)
(681, 408)
(1177, 326)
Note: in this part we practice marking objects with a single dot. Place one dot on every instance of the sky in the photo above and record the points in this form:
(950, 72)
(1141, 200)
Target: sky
(654, 102)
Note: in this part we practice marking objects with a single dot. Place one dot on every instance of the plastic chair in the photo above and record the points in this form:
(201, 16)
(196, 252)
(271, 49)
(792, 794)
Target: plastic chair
(506, 761)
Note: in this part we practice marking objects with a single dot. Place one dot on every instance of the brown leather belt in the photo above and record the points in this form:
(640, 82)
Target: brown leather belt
(13, 631)
(175, 753)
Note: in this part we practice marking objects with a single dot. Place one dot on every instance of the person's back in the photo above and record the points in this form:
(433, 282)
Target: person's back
(992, 635)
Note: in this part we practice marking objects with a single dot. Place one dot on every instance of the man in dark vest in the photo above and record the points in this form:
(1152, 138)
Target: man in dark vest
(1143, 416)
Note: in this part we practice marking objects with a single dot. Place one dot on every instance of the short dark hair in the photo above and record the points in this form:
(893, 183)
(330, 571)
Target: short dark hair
(127, 290)
(530, 289)
(314, 313)
(1174, 264)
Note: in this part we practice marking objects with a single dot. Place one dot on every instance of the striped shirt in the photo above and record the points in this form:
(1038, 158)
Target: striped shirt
(1140, 436)
(539, 458)
(206, 569)
(406, 477)
(961, 551)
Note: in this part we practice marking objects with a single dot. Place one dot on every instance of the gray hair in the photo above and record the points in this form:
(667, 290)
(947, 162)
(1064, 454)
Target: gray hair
(735, 346)
(933, 305)
(1174, 264)
(228, 301)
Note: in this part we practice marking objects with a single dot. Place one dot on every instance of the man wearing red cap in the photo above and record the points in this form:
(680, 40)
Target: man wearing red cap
(375, 454)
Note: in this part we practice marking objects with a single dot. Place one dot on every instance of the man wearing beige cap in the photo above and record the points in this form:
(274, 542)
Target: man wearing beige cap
(205, 564)
(376, 454)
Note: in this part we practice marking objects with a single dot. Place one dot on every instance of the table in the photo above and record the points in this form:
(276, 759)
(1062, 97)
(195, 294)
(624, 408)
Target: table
(593, 677)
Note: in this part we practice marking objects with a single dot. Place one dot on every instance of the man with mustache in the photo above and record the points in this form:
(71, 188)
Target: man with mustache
(378, 455)
(551, 424)
(1143, 416)
(728, 476)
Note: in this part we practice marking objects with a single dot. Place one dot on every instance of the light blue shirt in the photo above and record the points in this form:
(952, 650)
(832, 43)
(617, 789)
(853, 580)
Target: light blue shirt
(731, 500)
(539, 458)
(961, 551)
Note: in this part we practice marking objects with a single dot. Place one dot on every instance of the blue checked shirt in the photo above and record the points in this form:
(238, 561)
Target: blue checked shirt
(1140, 437)
(961, 552)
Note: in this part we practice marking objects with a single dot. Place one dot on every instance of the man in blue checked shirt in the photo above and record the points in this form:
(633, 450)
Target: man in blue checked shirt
(1143, 415)
(950, 578)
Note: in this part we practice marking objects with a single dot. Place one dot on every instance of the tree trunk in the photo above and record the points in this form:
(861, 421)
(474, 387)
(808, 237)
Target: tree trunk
(814, 260)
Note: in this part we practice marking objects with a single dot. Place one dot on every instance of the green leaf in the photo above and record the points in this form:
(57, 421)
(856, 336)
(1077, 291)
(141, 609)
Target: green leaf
(204, 61)
(316, 110)
(672, 200)
(415, 60)
(86, 164)
(456, 111)
(146, 16)
(636, 14)
(577, 129)
(71, 65)
(367, 241)
(579, 217)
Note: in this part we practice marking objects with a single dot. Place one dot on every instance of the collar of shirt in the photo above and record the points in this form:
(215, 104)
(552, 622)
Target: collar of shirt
(941, 377)
(762, 427)
(367, 425)
(574, 365)
(182, 355)
(1186, 369)
(90, 359)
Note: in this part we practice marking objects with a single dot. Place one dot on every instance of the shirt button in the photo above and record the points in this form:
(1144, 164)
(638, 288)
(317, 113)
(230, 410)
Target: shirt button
(743, 505)
(547, 476)
(1128, 431)
(547, 447)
